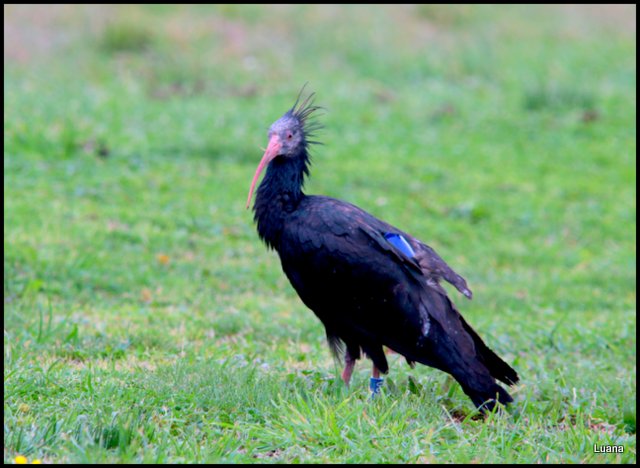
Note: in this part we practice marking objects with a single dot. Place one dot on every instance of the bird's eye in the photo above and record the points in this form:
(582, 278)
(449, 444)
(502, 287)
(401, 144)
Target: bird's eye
(289, 136)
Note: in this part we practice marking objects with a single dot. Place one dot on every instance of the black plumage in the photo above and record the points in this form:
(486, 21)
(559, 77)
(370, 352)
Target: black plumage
(371, 284)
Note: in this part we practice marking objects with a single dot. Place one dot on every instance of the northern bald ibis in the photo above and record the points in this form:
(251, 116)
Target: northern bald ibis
(370, 283)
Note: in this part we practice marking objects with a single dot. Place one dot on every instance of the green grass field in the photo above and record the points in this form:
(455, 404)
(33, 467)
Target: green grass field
(144, 320)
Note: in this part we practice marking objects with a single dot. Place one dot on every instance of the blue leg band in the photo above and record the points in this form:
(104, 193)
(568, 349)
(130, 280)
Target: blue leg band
(374, 385)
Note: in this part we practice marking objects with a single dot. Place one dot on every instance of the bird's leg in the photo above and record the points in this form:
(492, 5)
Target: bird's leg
(349, 364)
(376, 382)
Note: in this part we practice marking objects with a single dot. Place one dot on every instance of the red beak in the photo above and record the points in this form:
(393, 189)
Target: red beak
(271, 152)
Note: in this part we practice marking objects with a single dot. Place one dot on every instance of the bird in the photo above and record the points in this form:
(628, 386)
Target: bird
(372, 285)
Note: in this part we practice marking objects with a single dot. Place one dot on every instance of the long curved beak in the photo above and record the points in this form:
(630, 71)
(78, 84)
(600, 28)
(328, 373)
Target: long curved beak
(271, 152)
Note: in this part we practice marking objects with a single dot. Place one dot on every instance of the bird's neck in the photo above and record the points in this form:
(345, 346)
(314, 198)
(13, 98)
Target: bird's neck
(279, 194)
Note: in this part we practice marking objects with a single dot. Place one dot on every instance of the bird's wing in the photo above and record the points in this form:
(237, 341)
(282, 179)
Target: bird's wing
(349, 235)
(433, 267)
(344, 249)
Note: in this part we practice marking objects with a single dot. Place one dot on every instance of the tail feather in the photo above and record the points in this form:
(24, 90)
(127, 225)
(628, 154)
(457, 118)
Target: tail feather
(454, 347)
(497, 367)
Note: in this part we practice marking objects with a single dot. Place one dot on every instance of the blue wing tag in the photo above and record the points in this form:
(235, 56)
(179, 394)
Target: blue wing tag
(400, 243)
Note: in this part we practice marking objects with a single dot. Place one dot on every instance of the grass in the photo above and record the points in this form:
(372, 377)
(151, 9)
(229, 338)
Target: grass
(145, 322)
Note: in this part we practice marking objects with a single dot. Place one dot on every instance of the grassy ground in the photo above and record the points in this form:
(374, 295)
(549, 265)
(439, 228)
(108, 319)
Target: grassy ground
(145, 322)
